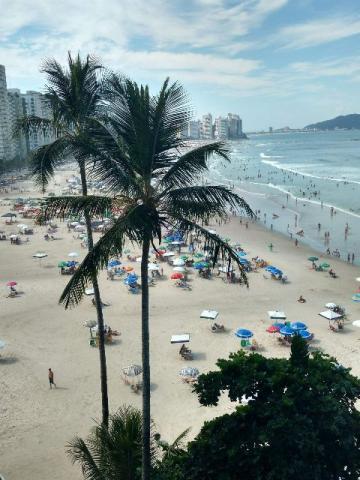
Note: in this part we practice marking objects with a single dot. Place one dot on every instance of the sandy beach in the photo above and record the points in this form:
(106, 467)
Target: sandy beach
(36, 422)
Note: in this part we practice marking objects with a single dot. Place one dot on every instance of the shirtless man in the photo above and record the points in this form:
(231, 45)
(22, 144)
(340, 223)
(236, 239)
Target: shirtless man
(51, 379)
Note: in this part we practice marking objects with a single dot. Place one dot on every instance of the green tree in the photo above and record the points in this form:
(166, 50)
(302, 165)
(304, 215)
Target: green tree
(73, 95)
(299, 421)
(154, 181)
(113, 452)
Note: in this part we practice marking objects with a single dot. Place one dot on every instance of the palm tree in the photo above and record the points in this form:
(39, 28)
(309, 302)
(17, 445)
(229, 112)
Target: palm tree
(74, 99)
(113, 452)
(154, 181)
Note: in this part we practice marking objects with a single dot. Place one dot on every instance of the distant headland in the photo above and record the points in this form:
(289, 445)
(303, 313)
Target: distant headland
(343, 122)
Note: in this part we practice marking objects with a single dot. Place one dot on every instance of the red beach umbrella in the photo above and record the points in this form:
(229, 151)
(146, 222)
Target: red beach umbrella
(11, 284)
(272, 329)
(177, 276)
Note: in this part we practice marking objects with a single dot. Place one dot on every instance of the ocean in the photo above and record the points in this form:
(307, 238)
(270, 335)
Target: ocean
(301, 182)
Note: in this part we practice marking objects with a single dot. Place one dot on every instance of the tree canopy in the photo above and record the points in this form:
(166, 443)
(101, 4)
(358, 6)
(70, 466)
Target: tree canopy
(297, 419)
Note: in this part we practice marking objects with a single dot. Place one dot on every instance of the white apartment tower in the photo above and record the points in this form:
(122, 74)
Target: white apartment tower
(235, 126)
(221, 128)
(35, 105)
(16, 110)
(207, 127)
(5, 128)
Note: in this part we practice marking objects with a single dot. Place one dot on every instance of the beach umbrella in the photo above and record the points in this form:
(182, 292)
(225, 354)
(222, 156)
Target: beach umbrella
(198, 255)
(132, 370)
(9, 215)
(272, 329)
(304, 334)
(114, 263)
(210, 314)
(330, 305)
(128, 268)
(357, 279)
(179, 269)
(276, 315)
(177, 276)
(298, 326)
(40, 255)
(89, 291)
(73, 254)
(2, 344)
(62, 264)
(278, 325)
(178, 262)
(213, 232)
(356, 297)
(325, 265)
(189, 372)
(184, 257)
(90, 323)
(241, 254)
(243, 333)
(153, 266)
(287, 331)
(313, 259)
(169, 254)
(12, 283)
(356, 323)
(138, 259)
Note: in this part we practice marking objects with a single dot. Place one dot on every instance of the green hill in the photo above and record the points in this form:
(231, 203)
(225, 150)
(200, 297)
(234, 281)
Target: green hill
(345, 122)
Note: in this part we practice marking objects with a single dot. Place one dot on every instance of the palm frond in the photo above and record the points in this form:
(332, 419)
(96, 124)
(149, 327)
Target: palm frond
(188, 167)
(170, 113)
(31, 124)
(47, 158)
(79, 452)
(63, 207)
(133, 224)
(203, 202)
(214, 245)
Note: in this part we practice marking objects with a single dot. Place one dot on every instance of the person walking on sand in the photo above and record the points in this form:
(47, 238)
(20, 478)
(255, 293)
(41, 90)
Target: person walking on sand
(51, 379)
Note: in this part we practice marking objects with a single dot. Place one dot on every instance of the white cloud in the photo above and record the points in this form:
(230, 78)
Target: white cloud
(317, 32)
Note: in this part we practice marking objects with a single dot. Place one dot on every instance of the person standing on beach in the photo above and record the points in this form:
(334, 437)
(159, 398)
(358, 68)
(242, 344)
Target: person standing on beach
(348, 258)
(296, 242)
(51, 379)
(353, 258)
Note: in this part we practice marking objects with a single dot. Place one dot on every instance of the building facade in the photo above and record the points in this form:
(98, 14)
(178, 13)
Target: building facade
(235, 126)
(206, 129)
(35, 105)
(16, 109)
(5, 128)
(221, 128)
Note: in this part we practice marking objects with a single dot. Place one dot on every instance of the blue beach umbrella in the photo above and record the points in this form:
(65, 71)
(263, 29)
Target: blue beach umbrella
(241, 254)
(243, 333)
(243, 261)
(278, 325)
(114, 263)
(287, 331)
(356, 297)
(298, 326)
(304, 334)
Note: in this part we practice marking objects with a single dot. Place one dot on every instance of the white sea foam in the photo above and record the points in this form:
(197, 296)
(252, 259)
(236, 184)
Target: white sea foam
(281, 166)
(263, 155)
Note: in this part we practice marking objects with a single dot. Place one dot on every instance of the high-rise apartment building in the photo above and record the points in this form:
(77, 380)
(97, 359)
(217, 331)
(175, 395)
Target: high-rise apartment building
(35, 105)
(16, 109)
(206, 129)
(221, 128)
(5, 128)
(235, 126)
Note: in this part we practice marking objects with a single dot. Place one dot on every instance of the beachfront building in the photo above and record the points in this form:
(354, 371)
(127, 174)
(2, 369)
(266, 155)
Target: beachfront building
(16, 109)
(36, 105)
(191, 131)
(5, 127)
(221, 128)
(235, 126)
(206, 127)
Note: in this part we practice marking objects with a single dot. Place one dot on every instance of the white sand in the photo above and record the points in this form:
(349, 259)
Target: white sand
(36, 423)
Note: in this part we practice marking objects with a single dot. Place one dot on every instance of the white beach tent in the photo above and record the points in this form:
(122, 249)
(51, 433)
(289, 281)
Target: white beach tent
(276, 315)
(181, 338)
(330, 315)
(210, 314)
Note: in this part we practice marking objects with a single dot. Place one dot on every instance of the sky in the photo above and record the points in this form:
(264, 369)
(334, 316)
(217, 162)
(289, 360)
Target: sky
(275, 62)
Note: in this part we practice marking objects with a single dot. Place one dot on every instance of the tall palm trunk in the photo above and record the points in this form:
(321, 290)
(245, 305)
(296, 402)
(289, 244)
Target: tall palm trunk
(100, 318)
(145, 360)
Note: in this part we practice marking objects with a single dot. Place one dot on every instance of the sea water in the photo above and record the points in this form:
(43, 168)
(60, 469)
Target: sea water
(301, 182)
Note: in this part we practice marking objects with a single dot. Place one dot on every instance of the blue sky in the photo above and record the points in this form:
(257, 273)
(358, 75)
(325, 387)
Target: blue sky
(275, 62)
